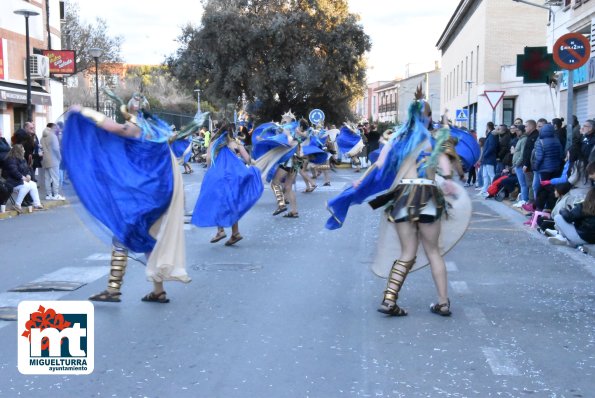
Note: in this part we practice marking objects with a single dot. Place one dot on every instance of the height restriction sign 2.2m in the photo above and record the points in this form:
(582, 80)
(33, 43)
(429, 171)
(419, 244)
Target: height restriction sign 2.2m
(571, 51)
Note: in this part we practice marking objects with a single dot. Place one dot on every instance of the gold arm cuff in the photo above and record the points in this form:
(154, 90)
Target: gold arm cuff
(92, 114)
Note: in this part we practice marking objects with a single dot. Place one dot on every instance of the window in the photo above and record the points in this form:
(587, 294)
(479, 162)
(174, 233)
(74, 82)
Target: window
(457, 82)
(508, 111)
(477, 67)
(471, 68)
(567, 3)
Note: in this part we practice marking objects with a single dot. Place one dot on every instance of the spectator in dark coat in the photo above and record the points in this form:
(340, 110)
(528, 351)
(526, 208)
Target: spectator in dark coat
(559, 131)
(531, 178)
(548, 154)
(504, 157)
(4, 148)
(18, 175)
(488, 159)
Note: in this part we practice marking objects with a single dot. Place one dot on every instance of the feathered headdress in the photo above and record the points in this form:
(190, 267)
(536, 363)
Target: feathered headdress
(287, 117)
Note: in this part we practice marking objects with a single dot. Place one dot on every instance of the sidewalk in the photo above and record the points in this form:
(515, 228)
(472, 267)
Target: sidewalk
(590, 248)
(48, 204)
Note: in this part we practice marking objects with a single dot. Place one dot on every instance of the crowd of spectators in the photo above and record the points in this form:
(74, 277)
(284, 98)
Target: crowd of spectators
(20, 161)
(530, 164)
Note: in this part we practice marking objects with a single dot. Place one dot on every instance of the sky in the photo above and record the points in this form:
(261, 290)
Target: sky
(403, 33)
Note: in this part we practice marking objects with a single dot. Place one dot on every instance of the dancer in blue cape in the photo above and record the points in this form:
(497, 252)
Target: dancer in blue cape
(127, 178)
(230, 187)
(182, 149)
(351, 144)
(275, 149)
(413, 181)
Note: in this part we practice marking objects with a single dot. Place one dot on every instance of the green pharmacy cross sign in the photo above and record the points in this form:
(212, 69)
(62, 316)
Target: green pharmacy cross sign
(535, 65)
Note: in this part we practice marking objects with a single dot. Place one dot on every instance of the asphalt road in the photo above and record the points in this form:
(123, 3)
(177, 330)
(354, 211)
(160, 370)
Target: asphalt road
(291, 311)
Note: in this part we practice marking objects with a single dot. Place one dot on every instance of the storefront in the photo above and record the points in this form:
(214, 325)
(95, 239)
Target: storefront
(13, 106)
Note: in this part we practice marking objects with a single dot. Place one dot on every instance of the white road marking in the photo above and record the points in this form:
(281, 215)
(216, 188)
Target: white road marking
(460, 287)
(12, 299)
(476, 316)
(451, 266)
(500, 362)
(99, 257)
(75, 274)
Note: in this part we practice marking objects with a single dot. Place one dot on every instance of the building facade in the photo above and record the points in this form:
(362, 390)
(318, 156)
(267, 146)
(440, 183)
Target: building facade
(46, 92)
(367, 107)
(394, 97)
(479, 46)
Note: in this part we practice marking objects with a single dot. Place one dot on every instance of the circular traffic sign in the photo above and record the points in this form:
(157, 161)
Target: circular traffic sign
(571, 51)
(316, 116)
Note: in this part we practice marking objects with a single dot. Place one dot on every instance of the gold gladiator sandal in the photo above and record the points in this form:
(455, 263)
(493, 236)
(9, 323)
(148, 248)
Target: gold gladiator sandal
(278, 191)
(117, 270)
(397, 276)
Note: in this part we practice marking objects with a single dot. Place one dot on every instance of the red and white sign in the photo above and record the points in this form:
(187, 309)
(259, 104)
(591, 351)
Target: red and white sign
(62, 62)
(494, 97)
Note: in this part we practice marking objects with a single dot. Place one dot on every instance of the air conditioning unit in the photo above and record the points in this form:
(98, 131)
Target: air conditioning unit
(39, 66)
(553, 3)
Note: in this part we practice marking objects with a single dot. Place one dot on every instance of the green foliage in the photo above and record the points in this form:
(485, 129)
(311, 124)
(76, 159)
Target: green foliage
(281, 54)
(81, 37)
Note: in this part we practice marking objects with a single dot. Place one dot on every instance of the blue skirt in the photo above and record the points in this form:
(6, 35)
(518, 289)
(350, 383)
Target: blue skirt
(125, 183)
(229, 189)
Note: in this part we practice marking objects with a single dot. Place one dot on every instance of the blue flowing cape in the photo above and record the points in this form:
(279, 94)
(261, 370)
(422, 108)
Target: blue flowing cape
(403, 144)
(347, 139)
(125, 183)
(468, 148)
(179, 146)
(229, 189)
(314, 150)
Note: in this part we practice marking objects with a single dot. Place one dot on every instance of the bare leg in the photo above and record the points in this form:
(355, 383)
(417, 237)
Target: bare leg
(235, 229)
(430, 234)
(158, 294)
(219, 235)
(289, 193)
(408, 237)
(278, 191)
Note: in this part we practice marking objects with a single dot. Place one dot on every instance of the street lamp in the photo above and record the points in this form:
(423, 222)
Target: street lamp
(469, 84)
(27, 13)
(96, 53)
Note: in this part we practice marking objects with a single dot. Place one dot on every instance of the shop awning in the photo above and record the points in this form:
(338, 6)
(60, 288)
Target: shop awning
(16, 93)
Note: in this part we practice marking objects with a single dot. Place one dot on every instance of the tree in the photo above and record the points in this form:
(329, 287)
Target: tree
(280, 54)
(81, 37)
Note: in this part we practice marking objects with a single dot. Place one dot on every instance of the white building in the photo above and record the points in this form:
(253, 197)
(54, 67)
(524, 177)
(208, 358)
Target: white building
(479, 46)
(46, 93)
(394, 97)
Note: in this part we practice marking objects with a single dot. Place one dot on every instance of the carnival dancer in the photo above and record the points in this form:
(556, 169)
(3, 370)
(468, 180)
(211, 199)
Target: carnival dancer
(229, 188)
(405, 178)
(288, 170)
(272, 146)
(317, 155)
(128, 179)
(350, 143)
(182, 149)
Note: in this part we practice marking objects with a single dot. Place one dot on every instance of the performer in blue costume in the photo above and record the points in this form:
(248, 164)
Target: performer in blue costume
(182, 149)
(273, 150)
(229, 188)
(403, 179)
(350, 143)
(127, 178)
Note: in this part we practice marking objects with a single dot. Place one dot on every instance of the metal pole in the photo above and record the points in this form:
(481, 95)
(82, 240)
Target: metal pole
(29, 117)
(97, 83)
(469, 85)
(569, 109)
